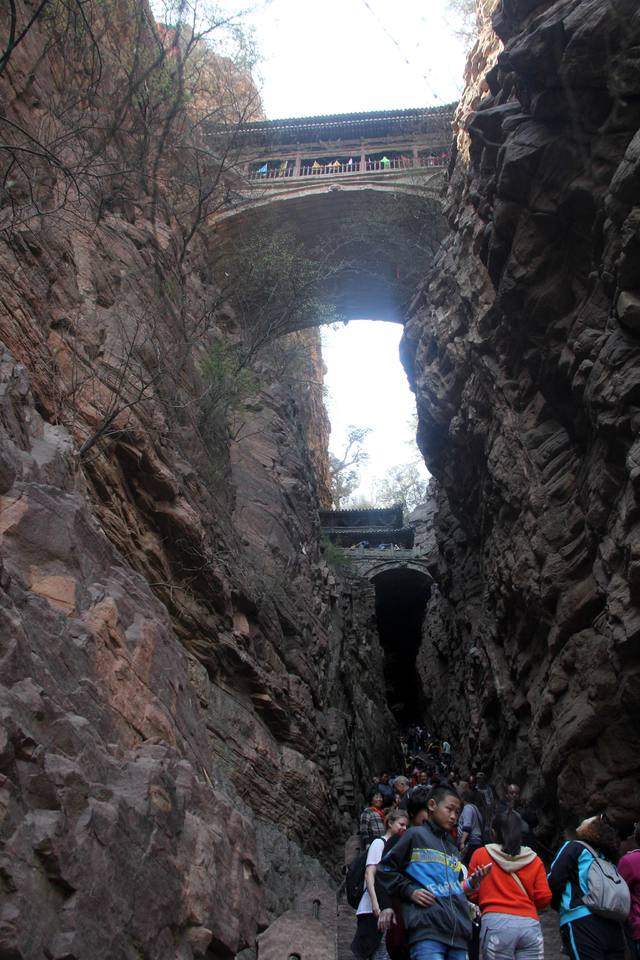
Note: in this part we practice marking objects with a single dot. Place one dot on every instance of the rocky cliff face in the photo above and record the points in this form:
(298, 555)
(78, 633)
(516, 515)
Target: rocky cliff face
(178, 752)
(524, 354)
(152, 801)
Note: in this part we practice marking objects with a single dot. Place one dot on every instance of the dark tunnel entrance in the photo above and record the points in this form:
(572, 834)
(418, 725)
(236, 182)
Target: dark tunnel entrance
(401, 599)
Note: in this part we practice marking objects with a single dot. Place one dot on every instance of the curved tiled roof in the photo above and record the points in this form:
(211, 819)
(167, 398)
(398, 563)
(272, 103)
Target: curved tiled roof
(361, 510)
(337, 126)
(364, 116)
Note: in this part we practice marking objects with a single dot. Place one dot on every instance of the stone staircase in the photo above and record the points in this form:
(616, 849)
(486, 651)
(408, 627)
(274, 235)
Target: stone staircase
(347, 926)
(346, 930)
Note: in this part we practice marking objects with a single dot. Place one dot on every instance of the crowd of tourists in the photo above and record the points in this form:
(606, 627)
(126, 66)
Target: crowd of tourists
(448, 869)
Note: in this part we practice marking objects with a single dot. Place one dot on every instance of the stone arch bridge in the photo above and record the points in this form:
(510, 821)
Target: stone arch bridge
(316, 174)
(370, 564)
(375, 542)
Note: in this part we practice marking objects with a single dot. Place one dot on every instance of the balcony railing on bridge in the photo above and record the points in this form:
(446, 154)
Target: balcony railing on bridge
(337, 169)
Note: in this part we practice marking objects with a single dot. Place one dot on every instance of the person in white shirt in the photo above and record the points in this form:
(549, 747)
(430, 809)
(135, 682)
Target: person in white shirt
(374, 913)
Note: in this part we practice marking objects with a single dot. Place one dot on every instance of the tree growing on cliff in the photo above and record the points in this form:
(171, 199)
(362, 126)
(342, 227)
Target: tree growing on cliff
(345, 473)
(463, 19)
(274, 288)
(405, 484)
(124, 109)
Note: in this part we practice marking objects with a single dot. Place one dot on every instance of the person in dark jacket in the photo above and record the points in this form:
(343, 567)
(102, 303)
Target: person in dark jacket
(371, 819)
(385, 788)
(513, 801)
(471, 825)
(585, 935)
(401, 787)
(424, 871)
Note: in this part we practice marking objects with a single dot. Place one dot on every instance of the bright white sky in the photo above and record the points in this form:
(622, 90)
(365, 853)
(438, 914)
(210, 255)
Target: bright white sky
(367, 387)
(343, 56)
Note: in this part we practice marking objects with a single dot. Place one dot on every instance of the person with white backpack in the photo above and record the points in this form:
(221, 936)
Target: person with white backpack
(511, 895)
(591, 897)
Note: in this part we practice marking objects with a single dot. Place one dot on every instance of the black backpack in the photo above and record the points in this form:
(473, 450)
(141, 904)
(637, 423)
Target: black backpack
(354, 879)
(354, 882)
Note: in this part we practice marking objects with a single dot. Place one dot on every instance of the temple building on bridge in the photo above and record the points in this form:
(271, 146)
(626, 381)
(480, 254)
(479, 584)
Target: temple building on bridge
(344, 145)
(370, 529)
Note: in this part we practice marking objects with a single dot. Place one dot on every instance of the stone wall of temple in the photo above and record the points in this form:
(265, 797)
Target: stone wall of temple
(524, 355)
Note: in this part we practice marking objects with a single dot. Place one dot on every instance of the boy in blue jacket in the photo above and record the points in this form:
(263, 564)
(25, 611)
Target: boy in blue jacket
(424, 871)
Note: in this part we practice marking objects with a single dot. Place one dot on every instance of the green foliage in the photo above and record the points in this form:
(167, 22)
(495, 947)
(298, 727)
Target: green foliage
(227, 377)
(345, 473)
(404, 484)
(276, 286)
(229, 384)
(335, 556)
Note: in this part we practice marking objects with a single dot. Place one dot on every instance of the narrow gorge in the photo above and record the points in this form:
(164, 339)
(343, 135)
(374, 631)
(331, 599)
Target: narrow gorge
(195, 684)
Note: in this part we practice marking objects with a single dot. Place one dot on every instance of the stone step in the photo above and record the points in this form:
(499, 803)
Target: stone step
(347, 927)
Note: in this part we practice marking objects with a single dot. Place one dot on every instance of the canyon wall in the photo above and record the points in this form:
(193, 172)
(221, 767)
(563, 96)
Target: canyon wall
(524, 354)
(190, 695)
(180, 669)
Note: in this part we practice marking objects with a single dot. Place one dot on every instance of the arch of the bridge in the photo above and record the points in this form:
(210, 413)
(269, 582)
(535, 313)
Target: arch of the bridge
(429, 183)
(369, 285)
(373, 568)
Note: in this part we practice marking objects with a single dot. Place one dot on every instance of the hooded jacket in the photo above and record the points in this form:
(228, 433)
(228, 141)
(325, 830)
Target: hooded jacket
(500, 893)
(425, 858)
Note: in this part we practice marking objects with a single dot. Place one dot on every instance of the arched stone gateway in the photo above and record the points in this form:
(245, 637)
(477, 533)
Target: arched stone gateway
(371, 564)
(402, 592)
(377, 547)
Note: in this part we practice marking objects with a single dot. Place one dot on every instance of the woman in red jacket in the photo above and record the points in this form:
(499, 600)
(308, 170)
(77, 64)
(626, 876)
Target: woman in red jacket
(511, 894)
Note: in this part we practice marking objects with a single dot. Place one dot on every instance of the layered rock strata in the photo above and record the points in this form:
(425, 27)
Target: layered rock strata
(178, 756)
(137, 784)
(525, 358)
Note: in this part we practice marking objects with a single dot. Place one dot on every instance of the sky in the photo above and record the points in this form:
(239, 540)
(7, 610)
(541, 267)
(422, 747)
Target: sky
(343, 56)
(367, 387)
